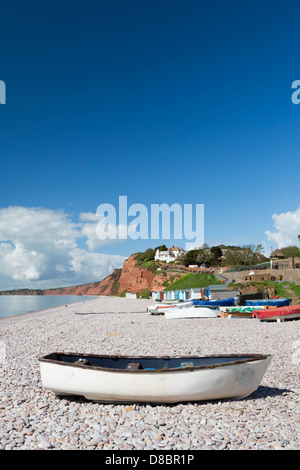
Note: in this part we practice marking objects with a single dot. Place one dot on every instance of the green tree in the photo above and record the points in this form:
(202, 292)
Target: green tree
(161, 248)
(290, 251)
(244, 256)
(190, 257)
(215, 255)
(148, 255)
(203, 256)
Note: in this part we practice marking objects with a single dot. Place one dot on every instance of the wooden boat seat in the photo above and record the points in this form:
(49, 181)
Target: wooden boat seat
(82, 361)
(133, 366)
(187, 364)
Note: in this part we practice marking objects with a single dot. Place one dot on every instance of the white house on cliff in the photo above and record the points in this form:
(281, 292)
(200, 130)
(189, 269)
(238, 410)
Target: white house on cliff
(170, 255)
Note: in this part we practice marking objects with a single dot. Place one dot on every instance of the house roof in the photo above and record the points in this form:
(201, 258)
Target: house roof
(277, 254)
(218, 287)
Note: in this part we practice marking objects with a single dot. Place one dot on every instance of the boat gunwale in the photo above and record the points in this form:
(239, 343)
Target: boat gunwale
(243, 358)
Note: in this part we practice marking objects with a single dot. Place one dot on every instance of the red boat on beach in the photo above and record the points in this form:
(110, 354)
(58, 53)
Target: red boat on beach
(290, 312)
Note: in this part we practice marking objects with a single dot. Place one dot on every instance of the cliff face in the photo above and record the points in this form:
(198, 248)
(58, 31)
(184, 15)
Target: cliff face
(108, 286)
(133, 277)
(136, 278)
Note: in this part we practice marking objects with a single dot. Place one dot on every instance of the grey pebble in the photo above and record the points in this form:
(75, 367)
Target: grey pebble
(33, 418)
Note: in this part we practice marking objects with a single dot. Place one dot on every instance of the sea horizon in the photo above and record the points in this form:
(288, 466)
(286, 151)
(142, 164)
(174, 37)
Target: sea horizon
(14, 305)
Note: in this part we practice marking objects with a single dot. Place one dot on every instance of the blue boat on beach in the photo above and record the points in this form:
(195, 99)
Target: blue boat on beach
(215, 303)
(269, 302)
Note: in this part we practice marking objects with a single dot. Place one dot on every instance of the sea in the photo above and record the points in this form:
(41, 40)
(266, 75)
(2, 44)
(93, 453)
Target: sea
(12, 305)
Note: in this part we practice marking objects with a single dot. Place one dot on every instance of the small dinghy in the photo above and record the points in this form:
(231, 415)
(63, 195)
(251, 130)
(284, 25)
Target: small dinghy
(269, 302)
(291, 312)
(215, 303)
(162, 309)
(190, 312)
(238, 311)
(119, 379)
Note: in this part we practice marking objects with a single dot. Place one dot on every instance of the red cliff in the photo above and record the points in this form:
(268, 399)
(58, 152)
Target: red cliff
(136, 278)
(133, 277)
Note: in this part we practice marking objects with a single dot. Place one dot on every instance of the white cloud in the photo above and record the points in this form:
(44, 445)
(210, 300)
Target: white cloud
(89, 265)
(89, 217)
(106, 234)
(38, 249)
(287, 229)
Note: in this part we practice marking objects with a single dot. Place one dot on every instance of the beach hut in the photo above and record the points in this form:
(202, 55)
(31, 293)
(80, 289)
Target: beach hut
(194, 293)
(220, 292)
(155, 295)
(130, 295)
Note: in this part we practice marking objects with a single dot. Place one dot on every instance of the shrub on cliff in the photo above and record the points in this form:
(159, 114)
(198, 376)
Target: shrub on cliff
(144, 294)
(147, 255)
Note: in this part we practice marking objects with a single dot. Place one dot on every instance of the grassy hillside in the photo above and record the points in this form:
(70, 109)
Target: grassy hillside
(194, 280)
(262, 285)
(294, 288)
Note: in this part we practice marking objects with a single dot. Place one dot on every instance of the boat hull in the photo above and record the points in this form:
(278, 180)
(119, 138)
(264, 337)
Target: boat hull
(193, 312)
(269, 302)
(273, 314)
(238, 312)
(234, 379)
(162, 309)
(240, 308)
(215, 303)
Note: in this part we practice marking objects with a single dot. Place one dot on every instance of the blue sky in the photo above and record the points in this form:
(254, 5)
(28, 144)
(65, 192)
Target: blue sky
(183, 102)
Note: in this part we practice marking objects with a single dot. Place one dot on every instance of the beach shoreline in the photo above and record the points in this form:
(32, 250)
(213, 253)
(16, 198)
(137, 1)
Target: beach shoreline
(33, 418)
(46, 309)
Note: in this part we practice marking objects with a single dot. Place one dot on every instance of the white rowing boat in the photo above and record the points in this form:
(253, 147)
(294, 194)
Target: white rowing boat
(191, 312)
(162, 309)
(153, 379)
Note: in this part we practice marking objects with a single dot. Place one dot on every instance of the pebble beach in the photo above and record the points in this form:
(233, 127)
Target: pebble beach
(34, 418)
